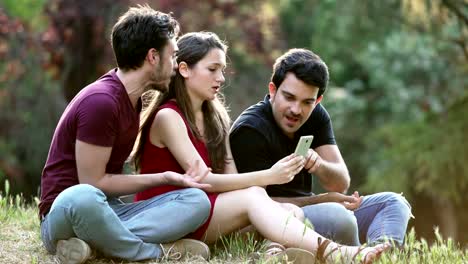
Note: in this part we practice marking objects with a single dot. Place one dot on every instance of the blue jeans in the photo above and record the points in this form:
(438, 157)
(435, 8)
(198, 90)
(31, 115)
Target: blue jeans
(381, 216)
(130, 231)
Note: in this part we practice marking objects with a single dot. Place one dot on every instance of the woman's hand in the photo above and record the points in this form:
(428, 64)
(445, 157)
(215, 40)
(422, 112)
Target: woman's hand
(192, 177)
(285, 169)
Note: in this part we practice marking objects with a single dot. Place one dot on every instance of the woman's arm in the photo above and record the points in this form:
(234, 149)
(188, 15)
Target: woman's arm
(169, 130)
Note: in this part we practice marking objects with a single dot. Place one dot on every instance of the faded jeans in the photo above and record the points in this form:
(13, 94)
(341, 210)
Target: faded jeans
(129, 231)
(381, 216)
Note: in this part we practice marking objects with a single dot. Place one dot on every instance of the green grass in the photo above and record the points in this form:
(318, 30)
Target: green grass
(20, 243)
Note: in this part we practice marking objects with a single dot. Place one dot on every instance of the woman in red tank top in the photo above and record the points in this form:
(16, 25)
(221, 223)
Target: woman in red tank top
(190, 123)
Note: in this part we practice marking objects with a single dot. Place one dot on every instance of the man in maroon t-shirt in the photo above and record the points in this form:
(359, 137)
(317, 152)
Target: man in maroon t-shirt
(82, 178)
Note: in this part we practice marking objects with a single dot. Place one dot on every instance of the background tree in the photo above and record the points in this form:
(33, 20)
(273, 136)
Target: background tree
(395, 65)
(30, 102)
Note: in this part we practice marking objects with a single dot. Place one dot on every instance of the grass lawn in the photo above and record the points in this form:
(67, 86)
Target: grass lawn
(20, 243)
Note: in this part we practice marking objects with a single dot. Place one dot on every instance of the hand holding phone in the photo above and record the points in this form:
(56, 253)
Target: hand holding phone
(303, 145)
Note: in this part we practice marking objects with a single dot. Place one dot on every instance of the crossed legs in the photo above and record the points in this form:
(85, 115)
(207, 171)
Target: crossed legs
(127, 231)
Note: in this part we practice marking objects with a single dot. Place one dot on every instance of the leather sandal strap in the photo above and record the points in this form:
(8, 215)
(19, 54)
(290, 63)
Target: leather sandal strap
(322, 246)
(357, 253)
(274, 248)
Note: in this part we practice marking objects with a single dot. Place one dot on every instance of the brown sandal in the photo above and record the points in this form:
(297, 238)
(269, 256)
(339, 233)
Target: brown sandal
(273, 248)
(322, 246)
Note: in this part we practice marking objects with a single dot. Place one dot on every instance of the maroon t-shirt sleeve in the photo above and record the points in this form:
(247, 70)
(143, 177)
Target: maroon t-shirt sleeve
(97, 120)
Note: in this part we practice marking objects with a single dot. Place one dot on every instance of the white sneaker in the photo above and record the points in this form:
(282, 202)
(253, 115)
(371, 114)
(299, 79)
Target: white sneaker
(73, 251)
(185, 247)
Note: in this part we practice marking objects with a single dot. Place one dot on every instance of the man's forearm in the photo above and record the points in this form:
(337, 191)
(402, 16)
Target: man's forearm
(125, 184)
(333, 177)
(305, 200)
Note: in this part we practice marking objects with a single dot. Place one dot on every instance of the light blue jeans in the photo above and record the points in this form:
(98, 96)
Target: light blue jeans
(129, 231)
(381, 216)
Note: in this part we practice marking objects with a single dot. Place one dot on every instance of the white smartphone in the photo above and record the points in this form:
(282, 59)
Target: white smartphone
(303, 145)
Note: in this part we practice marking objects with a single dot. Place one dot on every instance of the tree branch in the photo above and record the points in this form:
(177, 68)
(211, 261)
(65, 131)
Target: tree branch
(457, 10)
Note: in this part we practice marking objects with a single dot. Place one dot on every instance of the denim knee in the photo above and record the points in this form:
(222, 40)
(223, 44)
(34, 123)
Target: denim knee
(346, 226)
(82, 199)
(334, 221)
(397, 200)
(200, 200)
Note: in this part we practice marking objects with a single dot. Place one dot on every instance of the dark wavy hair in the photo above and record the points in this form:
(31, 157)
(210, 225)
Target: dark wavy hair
(193, 47)
(138, 30)
(306, 65)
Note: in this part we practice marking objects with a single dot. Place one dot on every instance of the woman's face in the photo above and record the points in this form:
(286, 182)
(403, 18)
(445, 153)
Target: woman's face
(205, 78)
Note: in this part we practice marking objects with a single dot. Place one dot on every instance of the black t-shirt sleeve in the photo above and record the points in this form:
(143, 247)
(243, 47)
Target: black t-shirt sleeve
(250, 150)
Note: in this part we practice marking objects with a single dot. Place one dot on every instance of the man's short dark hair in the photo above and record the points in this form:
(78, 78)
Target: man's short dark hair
(306, 65)
(138, 30)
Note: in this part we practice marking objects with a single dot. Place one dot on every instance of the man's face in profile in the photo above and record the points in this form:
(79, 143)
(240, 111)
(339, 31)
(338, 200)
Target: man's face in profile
(166, 67)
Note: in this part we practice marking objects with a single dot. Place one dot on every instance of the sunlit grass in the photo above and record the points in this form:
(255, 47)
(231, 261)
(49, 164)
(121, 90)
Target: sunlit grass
(20, 242)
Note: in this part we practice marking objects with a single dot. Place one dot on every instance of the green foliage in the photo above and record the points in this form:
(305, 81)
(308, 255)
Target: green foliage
(237, 246)
(26, 10)
(434, 161)
(405, 79)
(420, 251)
(384, 70)
(9, 203)
(30, 105)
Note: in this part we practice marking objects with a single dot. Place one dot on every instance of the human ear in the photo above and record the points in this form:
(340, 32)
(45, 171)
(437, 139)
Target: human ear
(184, 69)
(319, 99)
(153, 56)
(272, 89)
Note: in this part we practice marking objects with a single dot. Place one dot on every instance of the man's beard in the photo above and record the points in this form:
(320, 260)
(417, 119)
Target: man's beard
(160, 87)
(158, 83)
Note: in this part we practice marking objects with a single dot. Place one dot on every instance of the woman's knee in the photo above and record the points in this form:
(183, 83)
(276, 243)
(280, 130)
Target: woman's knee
(256, 191)
(295, 210)
(245, 198)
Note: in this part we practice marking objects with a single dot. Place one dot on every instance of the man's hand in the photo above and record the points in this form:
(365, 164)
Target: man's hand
(350, 202)
(192, 177)
(313, 161)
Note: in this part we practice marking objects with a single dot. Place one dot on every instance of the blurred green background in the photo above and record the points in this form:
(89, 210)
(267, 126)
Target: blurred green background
(398, 93)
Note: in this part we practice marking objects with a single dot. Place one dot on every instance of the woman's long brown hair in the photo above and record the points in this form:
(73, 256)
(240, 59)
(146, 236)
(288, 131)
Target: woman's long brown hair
(193, 47)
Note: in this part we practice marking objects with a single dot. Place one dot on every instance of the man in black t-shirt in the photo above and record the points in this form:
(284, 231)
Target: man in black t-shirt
(269, 130)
